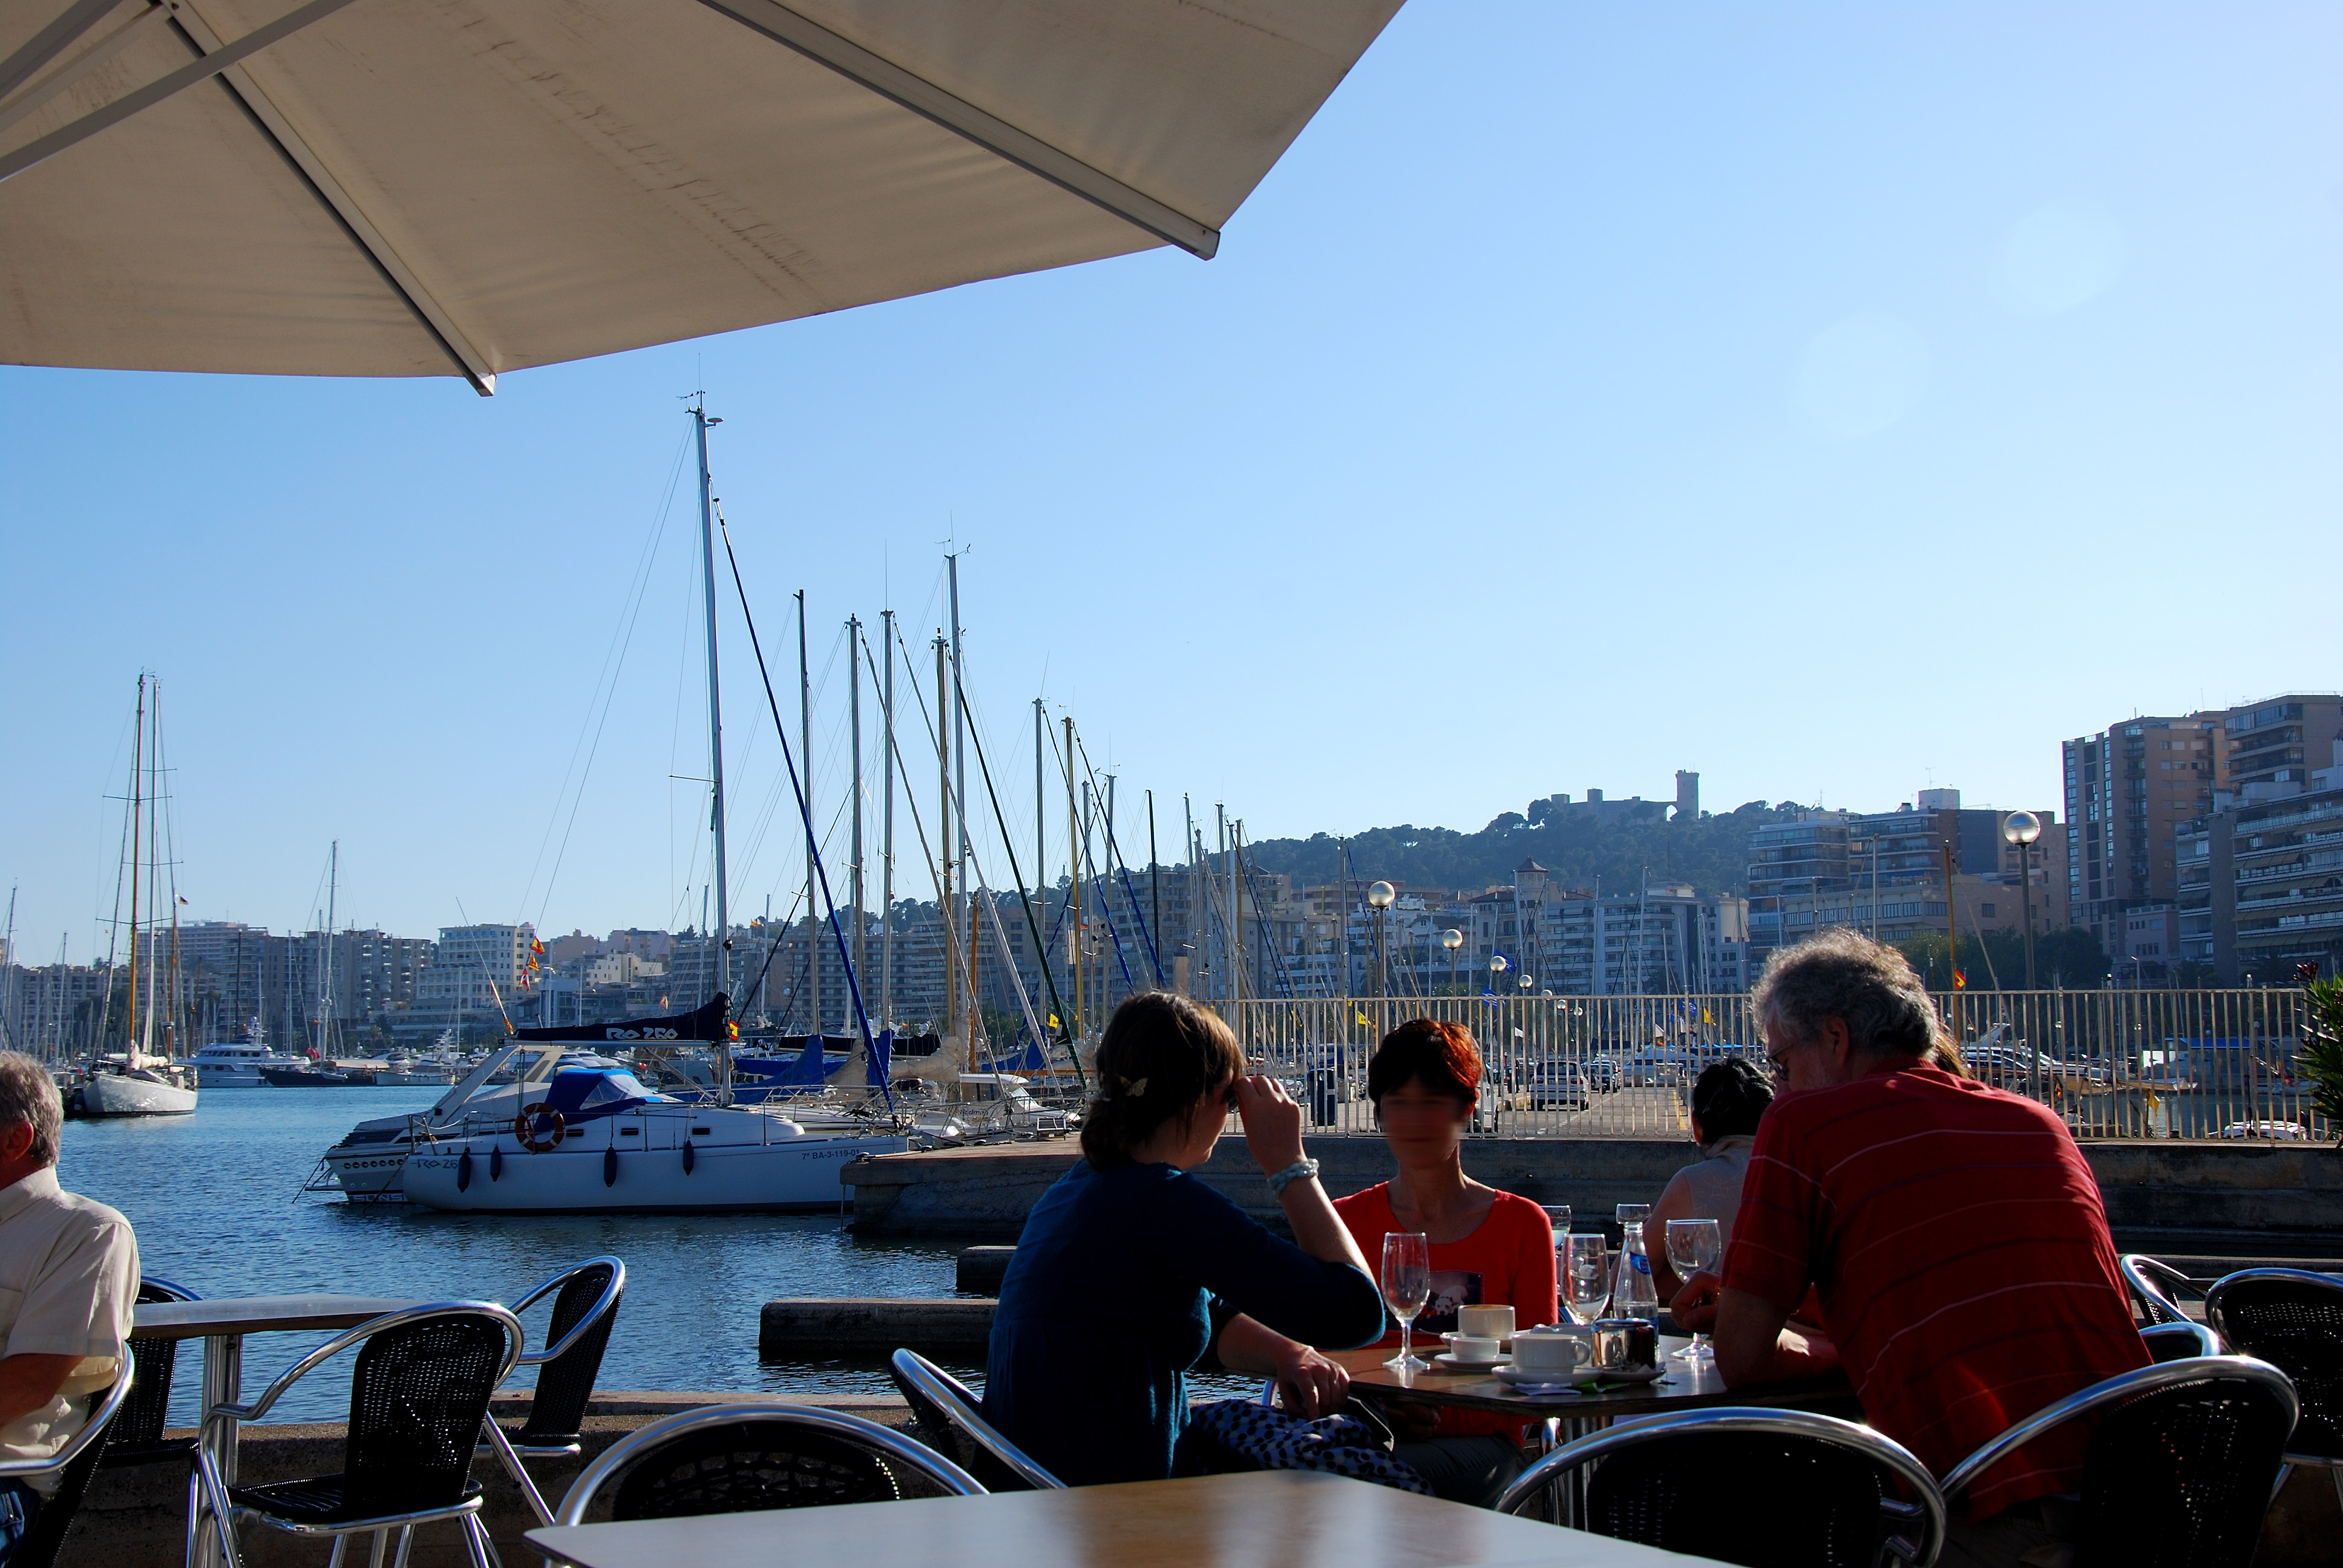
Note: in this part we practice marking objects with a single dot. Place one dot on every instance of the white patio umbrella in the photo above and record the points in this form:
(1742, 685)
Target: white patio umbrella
(421, 187)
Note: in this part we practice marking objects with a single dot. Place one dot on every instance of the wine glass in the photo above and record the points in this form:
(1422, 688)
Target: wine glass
(1407, 1285)
(1695, 1245)
(1585, 1276)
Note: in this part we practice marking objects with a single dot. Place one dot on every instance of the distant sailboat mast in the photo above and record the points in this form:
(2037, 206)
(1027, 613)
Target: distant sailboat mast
(722, 934)
(137, 823)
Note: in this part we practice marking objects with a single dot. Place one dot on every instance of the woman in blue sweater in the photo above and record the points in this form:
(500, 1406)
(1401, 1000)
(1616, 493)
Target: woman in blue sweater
(1130, 1269)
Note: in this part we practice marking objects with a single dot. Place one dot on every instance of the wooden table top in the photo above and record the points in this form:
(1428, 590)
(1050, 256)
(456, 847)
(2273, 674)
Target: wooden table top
(1688, 1385)
(1269, 1519)
(257, 1314)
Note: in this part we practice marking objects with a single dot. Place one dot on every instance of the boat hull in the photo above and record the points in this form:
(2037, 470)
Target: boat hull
(111, 1094)
(793, 1174)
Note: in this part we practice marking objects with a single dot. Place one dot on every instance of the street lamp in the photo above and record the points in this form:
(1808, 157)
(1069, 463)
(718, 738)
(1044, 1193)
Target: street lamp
(1379, 898)
(2021, 828)
(1496, 968)
(1452, 939)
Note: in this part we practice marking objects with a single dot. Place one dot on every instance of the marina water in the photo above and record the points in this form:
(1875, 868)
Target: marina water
(216, 1199)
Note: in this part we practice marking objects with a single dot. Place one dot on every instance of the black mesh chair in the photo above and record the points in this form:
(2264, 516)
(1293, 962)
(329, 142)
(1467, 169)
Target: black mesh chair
(418, 1400)
(2156, 1287)
(2182, 1462)
(135, 1435)
(945, 1413)
(743, 1458)
(1765, 1488)
(2179, 1342)
(2292, 1319)
(72, 1465)
(583, 1315)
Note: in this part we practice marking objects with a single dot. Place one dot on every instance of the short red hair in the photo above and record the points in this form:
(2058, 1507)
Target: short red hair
(1438, 1054)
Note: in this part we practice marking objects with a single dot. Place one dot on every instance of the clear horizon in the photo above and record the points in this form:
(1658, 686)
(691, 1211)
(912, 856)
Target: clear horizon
(1832, 402)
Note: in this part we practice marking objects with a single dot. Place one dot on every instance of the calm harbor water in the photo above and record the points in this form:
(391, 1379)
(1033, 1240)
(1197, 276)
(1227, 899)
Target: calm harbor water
(215, 1198)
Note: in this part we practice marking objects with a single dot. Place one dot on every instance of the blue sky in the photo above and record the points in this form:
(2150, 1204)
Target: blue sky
(1834, 399)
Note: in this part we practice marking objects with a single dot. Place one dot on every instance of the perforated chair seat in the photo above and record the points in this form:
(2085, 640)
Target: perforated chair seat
(749, 1466)
(322, 1501)
(122, 1455)
(2293, 1319)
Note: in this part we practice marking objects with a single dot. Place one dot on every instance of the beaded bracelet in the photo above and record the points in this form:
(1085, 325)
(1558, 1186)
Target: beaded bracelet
(1300, 1170)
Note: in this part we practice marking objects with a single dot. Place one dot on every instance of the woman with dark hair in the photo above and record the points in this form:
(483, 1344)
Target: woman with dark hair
(1727, 1098)
(1130, 1269)
(1488, 1248)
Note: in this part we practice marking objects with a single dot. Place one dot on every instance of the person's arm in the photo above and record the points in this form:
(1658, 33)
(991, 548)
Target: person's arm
(31, 1382)
(1314, 1383)
(1273, 1129)
(1751, 1337)
(1675, 1203)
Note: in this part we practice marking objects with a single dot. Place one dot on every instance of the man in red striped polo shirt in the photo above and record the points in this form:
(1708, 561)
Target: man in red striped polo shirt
(1953, 1233)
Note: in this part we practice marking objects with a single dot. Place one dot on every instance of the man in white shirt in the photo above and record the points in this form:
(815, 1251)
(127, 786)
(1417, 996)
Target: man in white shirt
(68, 1278)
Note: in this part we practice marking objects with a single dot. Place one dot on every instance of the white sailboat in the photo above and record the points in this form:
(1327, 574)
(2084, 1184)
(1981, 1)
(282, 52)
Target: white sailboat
(141, 1079)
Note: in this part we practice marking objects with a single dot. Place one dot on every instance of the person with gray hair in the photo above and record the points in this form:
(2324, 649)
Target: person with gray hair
(1953, 1234)
(68, 1278)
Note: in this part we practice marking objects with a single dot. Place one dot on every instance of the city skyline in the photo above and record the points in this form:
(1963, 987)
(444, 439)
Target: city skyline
(1838, 403)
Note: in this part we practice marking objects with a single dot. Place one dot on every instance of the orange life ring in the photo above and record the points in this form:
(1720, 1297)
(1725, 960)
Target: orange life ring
(524, 1132)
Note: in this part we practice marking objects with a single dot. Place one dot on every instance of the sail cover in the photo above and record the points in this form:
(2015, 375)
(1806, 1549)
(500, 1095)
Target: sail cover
(423, 187)
(704, 1025)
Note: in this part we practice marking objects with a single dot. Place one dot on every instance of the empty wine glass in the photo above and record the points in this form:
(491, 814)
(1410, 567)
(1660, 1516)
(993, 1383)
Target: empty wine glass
(1585, 1276)
(1407, 1285)
(1694, 1246)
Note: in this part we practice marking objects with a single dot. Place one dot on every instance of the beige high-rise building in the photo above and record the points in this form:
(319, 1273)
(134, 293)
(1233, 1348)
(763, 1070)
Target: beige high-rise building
(2128, 789)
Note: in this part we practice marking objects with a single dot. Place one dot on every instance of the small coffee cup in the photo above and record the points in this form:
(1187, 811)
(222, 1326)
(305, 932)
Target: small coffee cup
(1472, 1347)
(1625, 1344)
(1486, 1323)
(1560, 1349)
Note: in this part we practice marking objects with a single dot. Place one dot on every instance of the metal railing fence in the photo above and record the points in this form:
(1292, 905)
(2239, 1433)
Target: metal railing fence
(2191, 1064)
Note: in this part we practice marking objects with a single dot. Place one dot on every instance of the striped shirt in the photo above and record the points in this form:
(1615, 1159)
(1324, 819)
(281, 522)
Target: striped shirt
(1958, 1244)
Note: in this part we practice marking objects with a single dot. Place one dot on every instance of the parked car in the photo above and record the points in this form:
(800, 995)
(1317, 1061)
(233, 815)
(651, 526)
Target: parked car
(1558, 1086)
(2283, 1131)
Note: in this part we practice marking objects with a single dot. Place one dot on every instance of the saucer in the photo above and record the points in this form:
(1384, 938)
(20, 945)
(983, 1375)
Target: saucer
(1446, 1360)
(1504, 1341)
(1583, 1376)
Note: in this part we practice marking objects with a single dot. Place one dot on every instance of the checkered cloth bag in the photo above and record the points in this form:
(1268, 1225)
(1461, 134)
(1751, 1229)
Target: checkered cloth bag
(1272, 1440)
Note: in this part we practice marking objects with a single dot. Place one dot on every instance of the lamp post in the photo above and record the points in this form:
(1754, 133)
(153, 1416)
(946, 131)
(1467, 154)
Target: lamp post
(1379, 898)
(2021, 828)
(1452, 939)
(1496, 968)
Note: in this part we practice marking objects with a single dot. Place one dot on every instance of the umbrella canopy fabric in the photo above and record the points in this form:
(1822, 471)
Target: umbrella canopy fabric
(424, 188)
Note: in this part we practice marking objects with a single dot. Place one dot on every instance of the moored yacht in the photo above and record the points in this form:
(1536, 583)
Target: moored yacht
(237, 1063)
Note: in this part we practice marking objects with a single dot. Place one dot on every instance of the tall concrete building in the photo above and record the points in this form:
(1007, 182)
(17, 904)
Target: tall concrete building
(2270, 749)
(2129, 788)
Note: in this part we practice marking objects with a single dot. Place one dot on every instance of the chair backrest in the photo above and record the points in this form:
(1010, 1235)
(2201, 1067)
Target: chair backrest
(1758, 1487)
(146, 1412)
(731, 1458)
(2182, 1460)
(2156, 1287)
(587, 1308)
(82, 1454)
(418, 1394)
(945, 1413)
(2178, 1342)
(2292, 1319)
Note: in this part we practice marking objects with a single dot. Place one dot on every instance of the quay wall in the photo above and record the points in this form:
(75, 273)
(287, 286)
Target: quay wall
(2257, 1198)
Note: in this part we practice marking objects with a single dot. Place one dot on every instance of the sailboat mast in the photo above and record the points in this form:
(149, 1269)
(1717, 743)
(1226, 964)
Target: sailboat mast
(326, 991)
(887, 829)
(1074, 883)
(137, 785)
(944, 859)
(854, 722)
(1155, 886)
(959, 787)
(805, 764)
(699, 424)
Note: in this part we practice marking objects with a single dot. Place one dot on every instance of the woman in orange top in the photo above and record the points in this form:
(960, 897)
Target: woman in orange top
(1488, 1248)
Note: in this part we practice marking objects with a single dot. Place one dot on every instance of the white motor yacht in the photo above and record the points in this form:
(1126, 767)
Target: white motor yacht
(237, 1063)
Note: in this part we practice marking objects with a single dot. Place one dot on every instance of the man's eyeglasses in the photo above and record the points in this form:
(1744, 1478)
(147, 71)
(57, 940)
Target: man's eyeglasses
(1778, 1057)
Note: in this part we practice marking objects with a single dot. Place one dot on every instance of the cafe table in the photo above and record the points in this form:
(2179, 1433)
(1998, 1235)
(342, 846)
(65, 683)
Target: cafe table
(1265, 1519)
(1683, 1385)
(222, 1324)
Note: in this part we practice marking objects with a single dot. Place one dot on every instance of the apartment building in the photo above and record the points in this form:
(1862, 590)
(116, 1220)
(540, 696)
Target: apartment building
(2128, 789)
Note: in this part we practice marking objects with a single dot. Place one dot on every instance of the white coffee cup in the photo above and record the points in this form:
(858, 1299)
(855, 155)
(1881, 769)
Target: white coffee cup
(1472, 1347)
(1486, 1323)
(1558, 1347)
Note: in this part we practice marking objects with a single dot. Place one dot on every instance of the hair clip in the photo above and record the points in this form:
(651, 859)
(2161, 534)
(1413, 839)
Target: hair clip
(1137, 1087)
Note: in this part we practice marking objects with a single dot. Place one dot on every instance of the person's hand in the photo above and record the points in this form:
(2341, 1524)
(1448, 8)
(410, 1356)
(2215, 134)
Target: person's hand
(1410, 1421)
(1272, 1122)
(1312, 1382)
(1694, 1306)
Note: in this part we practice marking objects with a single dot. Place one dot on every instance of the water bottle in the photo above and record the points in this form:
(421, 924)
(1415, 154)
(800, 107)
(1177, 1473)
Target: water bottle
(1633, 1293)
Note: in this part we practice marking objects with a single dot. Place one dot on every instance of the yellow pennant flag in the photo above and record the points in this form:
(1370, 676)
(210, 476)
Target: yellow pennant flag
(1054, 1021)
(1364, 1019)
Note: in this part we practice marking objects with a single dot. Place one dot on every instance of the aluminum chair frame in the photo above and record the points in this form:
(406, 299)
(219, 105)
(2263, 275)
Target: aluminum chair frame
(630, 1450)
(224, 1510)
(959, 1406)
(2193, 1339)
(77, 1447)
(2331, 1463)
(1929, 1513)
(2153, 1283)
(510, 1453)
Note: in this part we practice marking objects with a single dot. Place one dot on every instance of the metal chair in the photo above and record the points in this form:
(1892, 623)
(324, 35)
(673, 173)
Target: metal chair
(136, 1436)
(2179, 1342)
(72, 1465)
(2292, 1319)
(945, 1412)
(583, 1315)
(418, 1402)
(2181, 1465)
(1753, 1486)
(2156, 1287)
(738, 1458)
